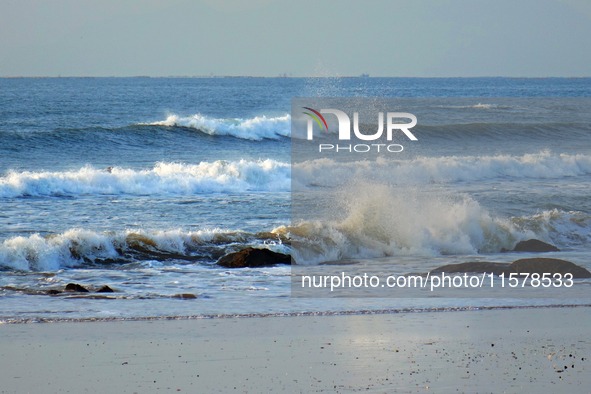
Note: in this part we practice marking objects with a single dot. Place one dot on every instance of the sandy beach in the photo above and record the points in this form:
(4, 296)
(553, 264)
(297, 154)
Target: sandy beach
(542, 350)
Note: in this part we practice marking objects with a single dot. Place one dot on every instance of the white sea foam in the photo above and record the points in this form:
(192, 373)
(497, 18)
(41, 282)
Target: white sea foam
(572, 228)
(382, 208)
(54, 252)
(275, 176)
(381, 221)
(272, 175)
(163, 178)
(78, 247)
(256, 128)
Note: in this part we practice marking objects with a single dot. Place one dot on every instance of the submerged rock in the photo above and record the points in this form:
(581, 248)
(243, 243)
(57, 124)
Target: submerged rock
(185, 296)
(76, 287)
(252, 257)
(552, 266)
(141, 247)
(538, 265)
(534, 245)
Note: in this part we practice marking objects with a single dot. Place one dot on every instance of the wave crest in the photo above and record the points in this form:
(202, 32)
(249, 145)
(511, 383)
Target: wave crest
(275, 176)
(418, 226)
(80, 247)
(381, 221)
(257, 128)
(446, 169)
(163, 178)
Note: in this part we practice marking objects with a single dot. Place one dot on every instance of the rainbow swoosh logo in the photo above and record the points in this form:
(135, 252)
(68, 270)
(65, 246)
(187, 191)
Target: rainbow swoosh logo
(317, 117)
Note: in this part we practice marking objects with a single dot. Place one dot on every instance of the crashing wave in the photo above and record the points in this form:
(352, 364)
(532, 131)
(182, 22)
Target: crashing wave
(257, 128)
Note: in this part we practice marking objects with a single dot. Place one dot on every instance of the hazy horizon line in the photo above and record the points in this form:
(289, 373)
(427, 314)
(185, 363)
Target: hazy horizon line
(287, 76)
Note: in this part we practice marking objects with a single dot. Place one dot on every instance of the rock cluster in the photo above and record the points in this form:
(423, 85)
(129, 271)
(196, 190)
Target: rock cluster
(253, 257)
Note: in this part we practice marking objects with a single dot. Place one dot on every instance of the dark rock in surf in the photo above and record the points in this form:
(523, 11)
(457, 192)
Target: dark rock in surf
(252, 257)
(536, 265)
(552, 266)
(105, 289)
(185, 296)
(534, 245)
(76, 287)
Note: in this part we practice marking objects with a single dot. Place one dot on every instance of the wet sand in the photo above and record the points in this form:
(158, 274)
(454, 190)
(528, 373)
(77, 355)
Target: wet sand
(542, 350)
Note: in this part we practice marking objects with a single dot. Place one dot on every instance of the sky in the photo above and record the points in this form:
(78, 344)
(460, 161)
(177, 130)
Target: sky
(392, 38)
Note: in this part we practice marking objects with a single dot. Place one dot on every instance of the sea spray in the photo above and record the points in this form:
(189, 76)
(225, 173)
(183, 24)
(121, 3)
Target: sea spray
(368, 220)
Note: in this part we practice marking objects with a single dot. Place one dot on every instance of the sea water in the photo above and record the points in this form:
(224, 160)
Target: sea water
(142, 184)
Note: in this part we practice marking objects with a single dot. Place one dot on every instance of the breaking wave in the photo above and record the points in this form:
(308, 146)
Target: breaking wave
(447, 169)
(80, 247)
(421, 225)
(275, 176)
(257, 128)
(163, 178)
(272, 175)
(382, 221)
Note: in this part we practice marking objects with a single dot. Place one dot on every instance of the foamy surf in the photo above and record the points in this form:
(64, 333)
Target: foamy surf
(275, 176)
(381, 221)
(163, 178)
(447, 227)
(257, 128)
(446, 169)
(85, 248)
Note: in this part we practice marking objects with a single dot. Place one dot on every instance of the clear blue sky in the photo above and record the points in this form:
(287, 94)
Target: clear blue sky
(533, 38)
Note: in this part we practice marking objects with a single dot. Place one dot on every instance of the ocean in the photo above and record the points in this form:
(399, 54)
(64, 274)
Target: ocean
(142, 184)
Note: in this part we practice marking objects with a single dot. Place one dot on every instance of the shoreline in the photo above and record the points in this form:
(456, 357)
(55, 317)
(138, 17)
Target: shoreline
(352, 312)
(519, 349)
